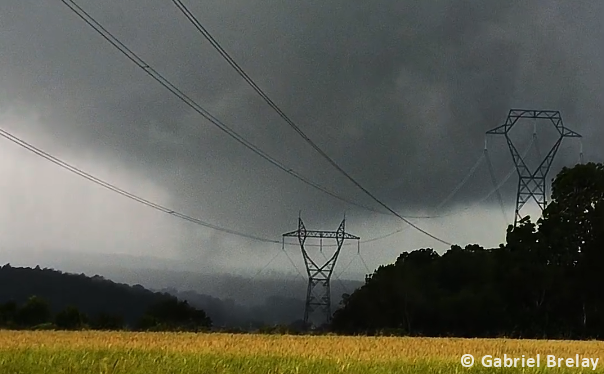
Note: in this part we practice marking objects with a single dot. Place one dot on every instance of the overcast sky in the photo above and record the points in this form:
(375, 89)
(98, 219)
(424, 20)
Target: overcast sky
(399, 93)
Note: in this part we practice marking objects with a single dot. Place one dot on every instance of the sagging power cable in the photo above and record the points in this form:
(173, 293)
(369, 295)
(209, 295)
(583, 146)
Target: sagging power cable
(124, 193)
(109, 37)
(290, 122)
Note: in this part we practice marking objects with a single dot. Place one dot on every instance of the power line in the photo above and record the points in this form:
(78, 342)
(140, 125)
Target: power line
(169, 211)
(108, 36)
(352, 260)
(476, 204)
(39, 152)
(347, 266)
(267, 265)
(453, 192)
(162, 80)
(495, 189)
(462, 183)
(88, 19)
(293, 264)
(124, 193)
(274, 106)
(365, 264)
(494, 181)
(113, 188)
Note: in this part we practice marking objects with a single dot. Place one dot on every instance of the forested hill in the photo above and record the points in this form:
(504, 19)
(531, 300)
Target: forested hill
(91, 295)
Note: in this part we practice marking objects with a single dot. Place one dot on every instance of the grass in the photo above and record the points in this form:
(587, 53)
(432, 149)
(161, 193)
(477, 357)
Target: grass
(34, 352)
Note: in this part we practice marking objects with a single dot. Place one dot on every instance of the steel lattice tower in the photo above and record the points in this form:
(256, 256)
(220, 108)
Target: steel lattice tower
(319, 275)
(532, 183)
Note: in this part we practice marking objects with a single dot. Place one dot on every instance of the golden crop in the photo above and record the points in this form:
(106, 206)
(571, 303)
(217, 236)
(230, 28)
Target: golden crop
(340, 349)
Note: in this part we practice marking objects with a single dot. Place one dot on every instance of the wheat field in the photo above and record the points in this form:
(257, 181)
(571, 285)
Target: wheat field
(33, 352)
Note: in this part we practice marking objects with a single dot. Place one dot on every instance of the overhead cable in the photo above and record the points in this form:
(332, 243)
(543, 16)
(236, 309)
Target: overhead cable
(494, 181)
(96, 26)
(462, 183)
(124, 193)
(291, 123)
(112, 187)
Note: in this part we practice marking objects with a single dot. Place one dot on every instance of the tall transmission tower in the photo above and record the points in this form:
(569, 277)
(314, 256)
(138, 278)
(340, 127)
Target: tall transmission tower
(319, 277)
(531, 184)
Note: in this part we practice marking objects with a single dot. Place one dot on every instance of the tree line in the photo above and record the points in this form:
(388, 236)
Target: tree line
(544, 282)
(167, 315)
(75, 301)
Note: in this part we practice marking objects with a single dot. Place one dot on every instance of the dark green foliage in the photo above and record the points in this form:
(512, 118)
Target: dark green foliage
(8, 314)
(544, 282)
(36, 311)
(174, 315)
(91, 295)
(71, 298)
(106, 321)
(70, 318)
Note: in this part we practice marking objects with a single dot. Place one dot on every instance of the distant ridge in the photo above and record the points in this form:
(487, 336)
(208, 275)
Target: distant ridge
(91, 295)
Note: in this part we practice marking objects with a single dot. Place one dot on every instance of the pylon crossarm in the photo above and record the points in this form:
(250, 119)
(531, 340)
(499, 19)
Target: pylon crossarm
(503, 129)
(330, 235)
(531, 113)
(570, 133)
(322, 234)
(558, 124)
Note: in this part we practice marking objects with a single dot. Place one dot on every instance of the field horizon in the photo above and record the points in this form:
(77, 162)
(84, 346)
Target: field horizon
(35, 352)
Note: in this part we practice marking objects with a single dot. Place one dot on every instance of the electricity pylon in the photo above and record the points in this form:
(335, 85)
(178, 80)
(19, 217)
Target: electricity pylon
(531, 184)
(319, 275)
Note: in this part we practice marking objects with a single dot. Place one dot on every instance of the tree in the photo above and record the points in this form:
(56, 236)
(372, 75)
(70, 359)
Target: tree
(8, 313)
(572, 230)
(173, 314)
(35, 311)
(70, 318)
(106, 321)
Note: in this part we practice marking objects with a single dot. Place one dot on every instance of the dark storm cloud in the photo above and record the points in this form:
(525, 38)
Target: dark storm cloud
(399, 93)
